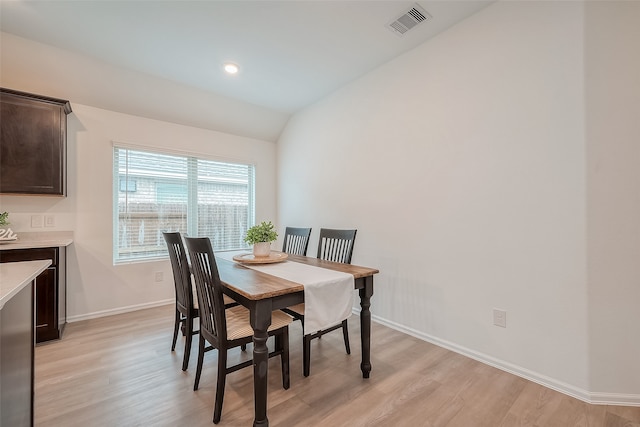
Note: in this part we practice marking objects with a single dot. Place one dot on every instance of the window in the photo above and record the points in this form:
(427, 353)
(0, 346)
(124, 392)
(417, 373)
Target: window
(156, 192)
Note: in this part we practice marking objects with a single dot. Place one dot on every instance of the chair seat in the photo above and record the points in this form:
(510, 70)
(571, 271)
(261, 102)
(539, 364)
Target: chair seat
(239, 326)
(298, 308)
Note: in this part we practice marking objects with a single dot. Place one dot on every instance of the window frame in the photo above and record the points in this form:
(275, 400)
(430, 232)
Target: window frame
(192, 183)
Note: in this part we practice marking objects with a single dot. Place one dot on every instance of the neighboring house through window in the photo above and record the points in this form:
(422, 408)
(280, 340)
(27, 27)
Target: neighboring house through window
(156, 192)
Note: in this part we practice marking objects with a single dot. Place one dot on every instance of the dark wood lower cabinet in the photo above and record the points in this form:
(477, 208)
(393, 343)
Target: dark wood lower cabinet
(50, 305)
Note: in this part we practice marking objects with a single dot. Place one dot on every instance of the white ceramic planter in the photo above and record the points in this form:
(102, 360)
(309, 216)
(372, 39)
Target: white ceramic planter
(262, 249)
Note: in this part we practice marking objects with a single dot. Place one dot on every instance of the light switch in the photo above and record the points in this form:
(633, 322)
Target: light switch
(36, 221)
(49, 221)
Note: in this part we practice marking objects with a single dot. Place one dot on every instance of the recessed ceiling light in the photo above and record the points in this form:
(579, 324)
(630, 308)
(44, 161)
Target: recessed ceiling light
(231, 68)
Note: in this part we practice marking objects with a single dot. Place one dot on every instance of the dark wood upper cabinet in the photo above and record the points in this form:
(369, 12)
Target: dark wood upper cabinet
(33, 144)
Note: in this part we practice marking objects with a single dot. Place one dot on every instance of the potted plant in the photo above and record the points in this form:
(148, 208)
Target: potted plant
(261, 236)
(4, 219)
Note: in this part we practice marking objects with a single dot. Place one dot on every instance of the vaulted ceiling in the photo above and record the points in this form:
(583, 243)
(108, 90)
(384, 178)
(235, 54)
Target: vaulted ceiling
(290, 53)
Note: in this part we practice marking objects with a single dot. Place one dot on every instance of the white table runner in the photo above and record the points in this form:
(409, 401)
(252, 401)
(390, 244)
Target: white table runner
(328, 294)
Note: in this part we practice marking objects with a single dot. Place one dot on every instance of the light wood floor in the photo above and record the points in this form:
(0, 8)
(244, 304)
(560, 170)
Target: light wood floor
(119, 371)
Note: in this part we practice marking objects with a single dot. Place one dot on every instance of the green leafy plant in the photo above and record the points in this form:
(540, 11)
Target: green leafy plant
(4, 219)
(264, 232)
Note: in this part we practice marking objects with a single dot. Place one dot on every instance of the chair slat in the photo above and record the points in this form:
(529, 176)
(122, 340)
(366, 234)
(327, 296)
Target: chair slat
(296, 240)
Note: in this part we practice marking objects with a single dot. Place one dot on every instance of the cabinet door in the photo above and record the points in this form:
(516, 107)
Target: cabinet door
(46, 306)
(32, 146)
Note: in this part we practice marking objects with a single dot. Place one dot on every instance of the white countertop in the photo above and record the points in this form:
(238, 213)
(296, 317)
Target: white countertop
(30, 240)
(14, 276)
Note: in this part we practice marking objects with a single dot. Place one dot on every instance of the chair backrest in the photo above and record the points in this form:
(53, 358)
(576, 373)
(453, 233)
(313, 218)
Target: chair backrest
(180, 268)
(213, 323)
(296, 240)
(336, 245)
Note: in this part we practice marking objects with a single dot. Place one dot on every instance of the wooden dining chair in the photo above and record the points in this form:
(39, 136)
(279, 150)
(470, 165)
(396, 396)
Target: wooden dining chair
(186, 309)
(337, 246)
(223, 328)
(186, 304)
(296, 240)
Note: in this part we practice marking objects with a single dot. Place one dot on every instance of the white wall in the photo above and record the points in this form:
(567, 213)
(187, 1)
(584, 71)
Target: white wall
(612, 58)
(462, 164)
(94, 285)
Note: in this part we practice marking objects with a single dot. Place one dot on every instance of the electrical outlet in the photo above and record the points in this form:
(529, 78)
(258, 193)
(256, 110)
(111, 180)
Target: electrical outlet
(36, 221)
(159, 276)
(500, 318)
(49, 220)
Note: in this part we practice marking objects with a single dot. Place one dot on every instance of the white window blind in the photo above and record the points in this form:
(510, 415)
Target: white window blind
(156, 192)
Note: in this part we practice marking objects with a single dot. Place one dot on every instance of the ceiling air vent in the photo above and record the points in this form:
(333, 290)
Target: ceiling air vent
(409, 20)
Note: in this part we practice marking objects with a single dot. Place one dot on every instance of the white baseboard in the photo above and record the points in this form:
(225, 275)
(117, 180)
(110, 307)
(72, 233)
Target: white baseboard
(120, 310)
(617, 399)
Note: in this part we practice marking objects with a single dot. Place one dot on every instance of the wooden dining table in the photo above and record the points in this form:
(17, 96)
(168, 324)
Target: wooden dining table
(262, 293)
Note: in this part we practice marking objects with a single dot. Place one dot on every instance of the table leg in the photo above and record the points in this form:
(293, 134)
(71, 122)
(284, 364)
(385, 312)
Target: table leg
(260, 321)
(365, 325)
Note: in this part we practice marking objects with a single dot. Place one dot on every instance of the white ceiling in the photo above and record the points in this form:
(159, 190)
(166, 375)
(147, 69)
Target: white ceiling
(291, 53)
